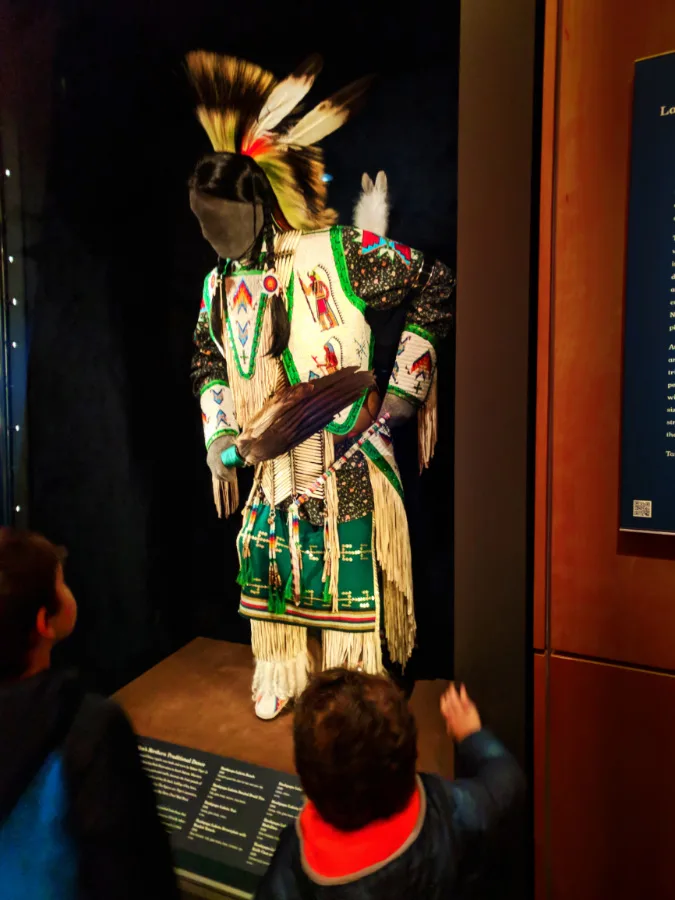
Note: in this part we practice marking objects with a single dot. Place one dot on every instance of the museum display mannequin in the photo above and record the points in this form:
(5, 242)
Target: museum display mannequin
(287, 303)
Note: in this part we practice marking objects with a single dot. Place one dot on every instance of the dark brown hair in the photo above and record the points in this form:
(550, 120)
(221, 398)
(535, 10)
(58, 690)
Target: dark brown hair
(234, 177)
(28, 567)
(355, 747)
(231, 176)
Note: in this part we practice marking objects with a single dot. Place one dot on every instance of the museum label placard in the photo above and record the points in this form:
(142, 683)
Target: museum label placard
(224, 816)
(647, 489)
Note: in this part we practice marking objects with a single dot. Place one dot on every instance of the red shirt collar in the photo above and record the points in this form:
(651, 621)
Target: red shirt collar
(329, 853)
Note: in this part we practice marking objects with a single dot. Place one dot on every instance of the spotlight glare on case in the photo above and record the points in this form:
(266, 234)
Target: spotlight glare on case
(326, 177)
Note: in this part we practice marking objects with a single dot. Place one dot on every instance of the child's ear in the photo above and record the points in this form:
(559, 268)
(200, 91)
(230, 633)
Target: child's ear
(43, 625)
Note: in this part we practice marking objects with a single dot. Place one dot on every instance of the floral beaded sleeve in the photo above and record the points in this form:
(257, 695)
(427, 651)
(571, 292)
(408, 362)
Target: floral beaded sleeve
(209, 375)
(386, 274)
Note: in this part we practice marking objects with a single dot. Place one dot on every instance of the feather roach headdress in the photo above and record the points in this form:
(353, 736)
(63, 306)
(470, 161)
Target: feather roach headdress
(245, 110)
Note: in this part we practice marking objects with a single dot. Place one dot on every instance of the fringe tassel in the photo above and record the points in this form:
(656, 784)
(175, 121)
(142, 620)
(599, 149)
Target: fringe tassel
(331, 538)
(295, 551)
(277, 642)
(251, 511)
(399, 623)
(392, 551)
(285, 246)
(281, 679)
(275, 600)
(427, 425)
(245, 574)
(249, 394)
(282, 663)
(353, 650)
(226, 496)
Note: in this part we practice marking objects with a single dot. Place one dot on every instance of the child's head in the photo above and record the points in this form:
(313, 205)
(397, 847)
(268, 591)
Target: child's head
(355, 747)
(37, 608)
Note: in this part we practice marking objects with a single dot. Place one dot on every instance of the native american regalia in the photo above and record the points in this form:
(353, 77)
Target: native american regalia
(332, 554)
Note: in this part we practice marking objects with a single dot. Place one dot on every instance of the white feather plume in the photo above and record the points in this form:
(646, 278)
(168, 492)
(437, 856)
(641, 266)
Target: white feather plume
(286, 95)
(328, 116)
(371, 212)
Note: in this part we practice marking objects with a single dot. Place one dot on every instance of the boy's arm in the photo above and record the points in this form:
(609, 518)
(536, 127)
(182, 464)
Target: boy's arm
(123, 848)
(493, 787)
(495, 782)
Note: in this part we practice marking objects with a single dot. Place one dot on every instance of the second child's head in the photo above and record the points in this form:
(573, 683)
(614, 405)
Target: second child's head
(37, 609)
(355, 748)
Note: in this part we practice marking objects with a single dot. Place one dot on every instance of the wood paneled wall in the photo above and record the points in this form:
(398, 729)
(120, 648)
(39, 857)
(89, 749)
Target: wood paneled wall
(604, 624)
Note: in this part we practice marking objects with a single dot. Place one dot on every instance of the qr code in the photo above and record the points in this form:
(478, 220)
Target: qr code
(642, 509)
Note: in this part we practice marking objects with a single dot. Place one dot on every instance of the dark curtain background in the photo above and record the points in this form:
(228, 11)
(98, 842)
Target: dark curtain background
(117, 464)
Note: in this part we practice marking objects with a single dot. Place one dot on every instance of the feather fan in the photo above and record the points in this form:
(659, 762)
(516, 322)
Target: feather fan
(296, 412)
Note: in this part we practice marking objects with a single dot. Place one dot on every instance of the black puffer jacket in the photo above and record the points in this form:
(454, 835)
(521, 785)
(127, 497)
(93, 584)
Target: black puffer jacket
(77, 811)
(455, 819)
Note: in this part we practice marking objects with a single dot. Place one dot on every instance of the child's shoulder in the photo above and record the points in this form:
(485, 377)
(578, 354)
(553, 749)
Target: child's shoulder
(101, 725)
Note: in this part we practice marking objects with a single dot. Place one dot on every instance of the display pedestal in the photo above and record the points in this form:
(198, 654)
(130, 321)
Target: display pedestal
(200, 697)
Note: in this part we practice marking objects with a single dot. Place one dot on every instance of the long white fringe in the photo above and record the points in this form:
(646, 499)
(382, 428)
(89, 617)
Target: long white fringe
(226, 496)
(332, 550)
(281, 679)
(427, 425)
(282, 663)
(392, 551)
(352, 649)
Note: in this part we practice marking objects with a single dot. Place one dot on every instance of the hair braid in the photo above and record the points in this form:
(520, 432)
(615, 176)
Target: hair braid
(281, 325)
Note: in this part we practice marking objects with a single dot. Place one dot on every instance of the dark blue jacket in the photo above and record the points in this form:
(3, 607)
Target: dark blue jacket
(457, 818)
(77, 812)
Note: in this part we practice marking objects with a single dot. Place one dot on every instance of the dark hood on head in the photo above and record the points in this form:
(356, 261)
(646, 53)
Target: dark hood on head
(232, 227)
(35, 717)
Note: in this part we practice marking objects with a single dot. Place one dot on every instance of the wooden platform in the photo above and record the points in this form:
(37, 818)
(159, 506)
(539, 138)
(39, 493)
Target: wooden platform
(201, 697)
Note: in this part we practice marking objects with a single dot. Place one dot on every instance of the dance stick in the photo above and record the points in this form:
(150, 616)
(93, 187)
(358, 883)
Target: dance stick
(339, 463)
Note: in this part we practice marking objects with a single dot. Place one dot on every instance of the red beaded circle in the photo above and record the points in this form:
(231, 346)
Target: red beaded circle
(270, 284)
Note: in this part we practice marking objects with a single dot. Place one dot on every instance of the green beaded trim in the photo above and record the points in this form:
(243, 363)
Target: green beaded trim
(376, 457)
(286, 358)
(220, 433)
(348, 424)
(294, 376)
(209, 384)
(205, 291)
(343, 271)
(256, 337)
(411, 398)
(346, 285)
(421, 332)
(207, 301)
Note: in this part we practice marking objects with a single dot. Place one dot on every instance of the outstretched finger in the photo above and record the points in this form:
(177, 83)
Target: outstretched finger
(447, 701)
(455, 702)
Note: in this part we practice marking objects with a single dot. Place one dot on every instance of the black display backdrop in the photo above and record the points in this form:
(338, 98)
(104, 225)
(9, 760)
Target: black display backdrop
(118, 471)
